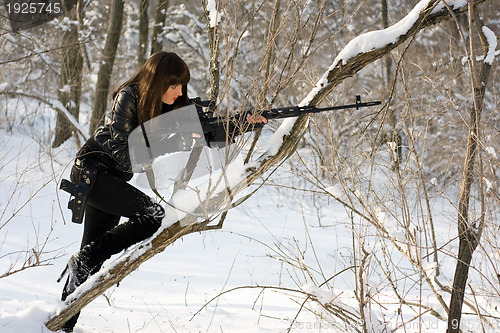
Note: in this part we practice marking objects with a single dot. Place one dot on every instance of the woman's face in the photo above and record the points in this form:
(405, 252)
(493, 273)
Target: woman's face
(172, 93)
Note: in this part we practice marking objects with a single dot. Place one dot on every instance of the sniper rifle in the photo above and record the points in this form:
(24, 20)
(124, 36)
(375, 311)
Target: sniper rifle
(213, 127)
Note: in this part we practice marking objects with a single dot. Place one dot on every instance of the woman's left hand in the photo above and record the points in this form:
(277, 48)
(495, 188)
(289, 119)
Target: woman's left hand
(256, 119)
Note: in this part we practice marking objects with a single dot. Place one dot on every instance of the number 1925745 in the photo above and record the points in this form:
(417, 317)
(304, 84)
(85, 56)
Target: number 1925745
(34, 8)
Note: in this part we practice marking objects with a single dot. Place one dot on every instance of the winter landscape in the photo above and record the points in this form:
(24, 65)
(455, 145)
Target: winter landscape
(382, 219)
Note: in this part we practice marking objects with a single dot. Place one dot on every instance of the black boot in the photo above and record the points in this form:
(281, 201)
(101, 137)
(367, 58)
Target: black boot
(78, 271)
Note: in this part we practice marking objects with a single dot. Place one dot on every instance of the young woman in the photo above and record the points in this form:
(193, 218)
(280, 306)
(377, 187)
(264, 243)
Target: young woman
(160, 85)
(104, 164)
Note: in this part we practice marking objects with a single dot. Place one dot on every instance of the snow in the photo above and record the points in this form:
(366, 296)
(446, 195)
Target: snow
(277, 138)
(392, 145)
(362, 44)
(491, 151)
(83, 130)
(335, 190)
(175, 290)
(452, 4)
(488, 183)
(213, 14)
(492, 44)
(23, 316)
(163, 293)
(367, 42)
(377, 39)
(65, 89)
(429, 268)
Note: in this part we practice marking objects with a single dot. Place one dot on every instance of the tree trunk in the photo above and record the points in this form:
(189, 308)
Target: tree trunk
(388, 59)
(394, 133)
(160, 17)
(103, 78)
(469, 232)
(70, 81)
(143, 33)
(213, 42)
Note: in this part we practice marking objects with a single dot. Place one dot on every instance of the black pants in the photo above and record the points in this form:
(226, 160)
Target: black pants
(110, 198)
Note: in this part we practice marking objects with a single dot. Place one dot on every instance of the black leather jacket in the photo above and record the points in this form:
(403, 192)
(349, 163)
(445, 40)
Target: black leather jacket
(110, 141)
(109, 144)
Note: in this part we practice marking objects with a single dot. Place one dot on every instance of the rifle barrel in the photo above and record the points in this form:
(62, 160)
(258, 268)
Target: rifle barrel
(287, 112)
(294, 111)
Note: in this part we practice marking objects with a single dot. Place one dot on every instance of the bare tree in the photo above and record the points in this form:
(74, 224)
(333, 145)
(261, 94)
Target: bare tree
(212, 17)
(143, 32)
(160, 17)
(469, 232)
(394, 135)
(70, 79)
(106, 68)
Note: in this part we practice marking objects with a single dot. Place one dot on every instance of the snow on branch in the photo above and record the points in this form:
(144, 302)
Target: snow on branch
(492, 44)
(355, 56)
(213, 14)
(371, 46)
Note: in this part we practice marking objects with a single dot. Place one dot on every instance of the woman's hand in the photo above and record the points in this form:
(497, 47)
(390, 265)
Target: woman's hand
(256, 119)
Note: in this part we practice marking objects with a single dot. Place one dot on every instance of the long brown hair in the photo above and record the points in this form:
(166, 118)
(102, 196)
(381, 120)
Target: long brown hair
(159, 72)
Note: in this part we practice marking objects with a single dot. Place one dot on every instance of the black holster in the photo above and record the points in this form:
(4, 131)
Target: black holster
(79, 192)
